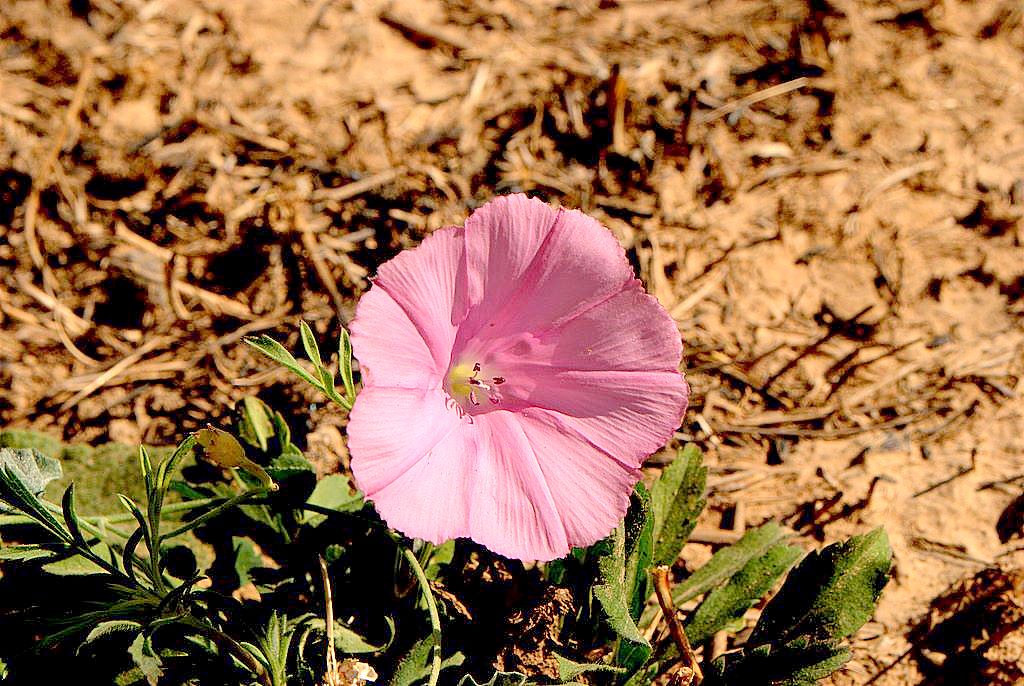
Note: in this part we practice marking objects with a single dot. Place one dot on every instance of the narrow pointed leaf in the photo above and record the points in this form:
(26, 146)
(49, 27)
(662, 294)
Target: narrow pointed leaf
(277, 352)
(309, 343)
(677, 499)
(26, 553)
(71, 515)
(345, 365)
(728, 603)
(728, 561)
(110, 628)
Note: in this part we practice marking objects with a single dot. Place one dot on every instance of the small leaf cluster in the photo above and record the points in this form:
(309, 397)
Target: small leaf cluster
(321, 377)
(211, 574)
(800, 635)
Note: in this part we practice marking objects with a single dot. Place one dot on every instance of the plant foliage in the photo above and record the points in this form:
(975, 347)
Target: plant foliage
(208, 574)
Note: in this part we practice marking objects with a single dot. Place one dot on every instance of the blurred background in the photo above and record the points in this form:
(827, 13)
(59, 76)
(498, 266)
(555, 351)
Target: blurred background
(827, 195)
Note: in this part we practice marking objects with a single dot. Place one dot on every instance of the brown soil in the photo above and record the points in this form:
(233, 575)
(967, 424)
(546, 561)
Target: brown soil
(828, 196)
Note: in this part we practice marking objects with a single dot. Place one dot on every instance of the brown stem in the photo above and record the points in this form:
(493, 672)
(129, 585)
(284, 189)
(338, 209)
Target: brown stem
(663, 590)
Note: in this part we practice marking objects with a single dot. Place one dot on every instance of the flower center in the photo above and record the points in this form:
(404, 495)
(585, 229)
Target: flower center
(470, 387)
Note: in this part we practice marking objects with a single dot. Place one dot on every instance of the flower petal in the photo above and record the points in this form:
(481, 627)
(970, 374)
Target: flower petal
(388, 345)
(575, 262)
(390, 430)
(610, 374)
(502, 240)
(429, 284)
(434, 476)
(591, 489)
(513, 511)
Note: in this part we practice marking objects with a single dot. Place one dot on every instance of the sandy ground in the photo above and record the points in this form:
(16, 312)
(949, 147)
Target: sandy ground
(826, 195)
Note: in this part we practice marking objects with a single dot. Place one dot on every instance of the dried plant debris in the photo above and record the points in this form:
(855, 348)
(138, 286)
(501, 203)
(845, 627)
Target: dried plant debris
(827, 196)
(974, 633)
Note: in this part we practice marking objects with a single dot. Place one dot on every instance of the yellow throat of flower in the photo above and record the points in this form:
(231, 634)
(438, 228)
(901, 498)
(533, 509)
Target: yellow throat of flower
(458, 380)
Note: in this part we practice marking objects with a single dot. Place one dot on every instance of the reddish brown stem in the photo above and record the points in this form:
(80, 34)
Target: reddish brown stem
(663, 590)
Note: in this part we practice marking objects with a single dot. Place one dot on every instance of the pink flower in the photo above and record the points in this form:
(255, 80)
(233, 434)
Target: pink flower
(515, 377)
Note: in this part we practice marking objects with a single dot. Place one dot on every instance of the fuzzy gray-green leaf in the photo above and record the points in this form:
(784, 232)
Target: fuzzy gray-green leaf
(25, 553)
(110, 628)
(677, 499)
(570, 669)
(829, 595)
(614, 593)
(728, 561)
(729, 602)
(497, 679)
(415, 666)
(146, 659)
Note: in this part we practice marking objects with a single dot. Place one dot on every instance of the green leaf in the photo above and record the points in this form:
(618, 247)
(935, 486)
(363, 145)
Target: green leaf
(71, 515)
(24, 474)
(497, 679)
(133, 509)
(350, 642)
(146, 467)
(677, 499)
(146, 659)
(26, 553)
(246, 558)
(728, 561)
(128, 554)
(333, 492)
(32, 469)
(829, 595)
(799, 638)
(570, 669)
(327, 382)
(639, 548)
(278, 353)
(289, 466)
(168, 466)
(110, 628)
(439, 557)
(415, 665)
(614, 592)
(728, 603)
(639, 527)
(797, 665)
(77, 565)
(256, 425)
(309, 343)
(345, 365)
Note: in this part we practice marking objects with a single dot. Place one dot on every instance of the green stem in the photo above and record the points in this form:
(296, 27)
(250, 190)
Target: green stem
(176, 507)
(435, 619)
(84, 522)
(206, 516)
(106, 520)
(232, 646)
(86, 552)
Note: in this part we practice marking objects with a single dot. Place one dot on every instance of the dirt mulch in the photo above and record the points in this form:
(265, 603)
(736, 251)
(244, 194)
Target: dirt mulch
(827, 196)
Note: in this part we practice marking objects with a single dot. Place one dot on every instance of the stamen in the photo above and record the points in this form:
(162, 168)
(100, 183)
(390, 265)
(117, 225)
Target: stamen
(465, 382)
